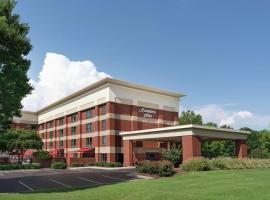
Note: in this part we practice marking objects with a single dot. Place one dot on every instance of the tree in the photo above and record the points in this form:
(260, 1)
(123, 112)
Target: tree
(211, 124)
(14, 47)
(173, 154)
(19, 140)
(189, 117)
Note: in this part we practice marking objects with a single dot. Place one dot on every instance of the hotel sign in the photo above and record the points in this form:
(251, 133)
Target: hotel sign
(147, 113)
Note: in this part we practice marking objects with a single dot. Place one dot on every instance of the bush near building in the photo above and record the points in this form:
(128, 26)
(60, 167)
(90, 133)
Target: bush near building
(59, 165)
(20, 166)
(160, 168)
(99, 164)
(225, 164)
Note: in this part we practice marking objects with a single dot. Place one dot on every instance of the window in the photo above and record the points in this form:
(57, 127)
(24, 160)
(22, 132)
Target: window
(73, 130)
(61, 132)
(73, 143)
(51, 144)
(61, 121)
(139, 144)
(73, 118)
(42, 136)
(89, 128)
(88, 142)
(61, 143)
(103, 109)
(150, 156)
(103, 124)
(103, 140)
(89, 114)
(51, 134)
(50, 125)
(75, 155)
(103, 157)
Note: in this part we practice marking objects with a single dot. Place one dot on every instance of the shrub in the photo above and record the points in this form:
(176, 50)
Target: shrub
(76, 164)
(225, 164)
(161, 168)
(20, 166)
(197, 165)
(174, 154)
(59, 165)
(108, 164)
(42, 155)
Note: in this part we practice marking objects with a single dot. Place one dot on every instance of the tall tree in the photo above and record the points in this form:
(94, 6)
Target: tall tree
(19, 140)
(14, 47)
(190, 117)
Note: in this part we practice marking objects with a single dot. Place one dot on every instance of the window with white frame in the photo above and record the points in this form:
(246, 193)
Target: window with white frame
(89, 127)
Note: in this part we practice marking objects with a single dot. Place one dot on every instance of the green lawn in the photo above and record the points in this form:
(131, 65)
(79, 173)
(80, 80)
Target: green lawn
(214, 185)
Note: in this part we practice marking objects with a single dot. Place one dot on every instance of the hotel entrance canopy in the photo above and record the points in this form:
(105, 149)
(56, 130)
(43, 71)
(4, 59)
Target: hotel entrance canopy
(191, 137)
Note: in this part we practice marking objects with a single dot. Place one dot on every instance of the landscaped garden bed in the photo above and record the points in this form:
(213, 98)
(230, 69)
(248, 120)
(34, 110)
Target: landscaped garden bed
(204, 164)
(98, 164)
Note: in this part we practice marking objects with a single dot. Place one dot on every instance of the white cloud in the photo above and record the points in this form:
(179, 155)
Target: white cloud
(228, 115)
(58, 78)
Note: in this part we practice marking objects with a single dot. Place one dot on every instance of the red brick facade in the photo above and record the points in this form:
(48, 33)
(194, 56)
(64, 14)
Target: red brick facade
(106, 121)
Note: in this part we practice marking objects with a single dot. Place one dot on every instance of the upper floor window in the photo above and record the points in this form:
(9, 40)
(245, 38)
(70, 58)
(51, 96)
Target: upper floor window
(103, 124)
(103, 140)
(61, 132)
(88, 142)
(73, 130)
(51, 134)
(73, 143)
(103, 109)
(61, 143)
(61, 121)
(73, 118)
(89, 114)
(89, 128)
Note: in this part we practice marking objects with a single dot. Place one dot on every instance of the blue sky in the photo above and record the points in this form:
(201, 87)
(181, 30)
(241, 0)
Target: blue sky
(217, 52)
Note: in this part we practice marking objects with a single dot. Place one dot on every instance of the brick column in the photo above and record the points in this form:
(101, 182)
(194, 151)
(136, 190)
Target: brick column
(65, 133)
(128, 152)
(241, 149)
(134, 114)
(191, 147)
(111, 138)
(79, 131)
(160, 118)
(96, 139)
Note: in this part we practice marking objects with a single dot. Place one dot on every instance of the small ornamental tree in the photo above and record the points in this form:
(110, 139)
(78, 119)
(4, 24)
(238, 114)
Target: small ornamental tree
(19, 140)
(190, 117)
(174, 154)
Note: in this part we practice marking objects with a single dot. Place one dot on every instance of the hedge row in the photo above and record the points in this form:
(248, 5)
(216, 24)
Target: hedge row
(100, 164)
(161, 168)
(20, 166)
(225, 164)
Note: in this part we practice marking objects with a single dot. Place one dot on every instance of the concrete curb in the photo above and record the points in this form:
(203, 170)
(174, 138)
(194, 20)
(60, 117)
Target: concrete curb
(103, 168)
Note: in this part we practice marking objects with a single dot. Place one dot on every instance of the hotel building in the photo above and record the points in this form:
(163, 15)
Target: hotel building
(118, 121)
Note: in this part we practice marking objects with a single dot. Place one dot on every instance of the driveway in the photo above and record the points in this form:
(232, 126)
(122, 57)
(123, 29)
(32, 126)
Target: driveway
(45, 179)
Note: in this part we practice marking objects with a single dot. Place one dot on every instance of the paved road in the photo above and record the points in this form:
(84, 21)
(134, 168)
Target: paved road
(44, 179)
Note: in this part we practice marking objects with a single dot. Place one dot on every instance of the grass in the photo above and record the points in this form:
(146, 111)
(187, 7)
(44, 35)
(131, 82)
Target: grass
(212, 185)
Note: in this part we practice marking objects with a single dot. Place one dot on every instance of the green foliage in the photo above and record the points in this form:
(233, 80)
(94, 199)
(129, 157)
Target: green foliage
(225, 164)
(211, 124)
(20, 140)
(42, 155)
(197, 165)
(76, 164)
(212, 149)
(14, 47)
(108, 164)
(189, 117)
(59, 165)
(174, 154)
(161, 168)
(20, 166)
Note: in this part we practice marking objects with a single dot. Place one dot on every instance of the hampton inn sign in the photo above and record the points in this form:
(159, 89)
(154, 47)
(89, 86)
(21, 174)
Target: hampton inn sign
(113, 120)
(147, 113)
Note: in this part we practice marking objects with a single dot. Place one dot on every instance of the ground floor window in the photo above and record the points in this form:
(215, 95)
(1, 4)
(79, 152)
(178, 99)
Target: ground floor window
(88, 155)
(75, 155)
(150, 156)
(103, 157)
